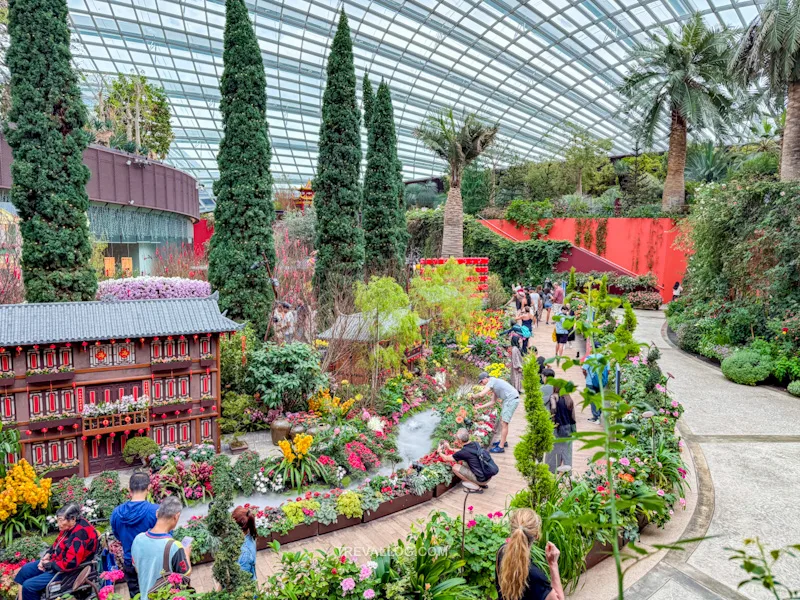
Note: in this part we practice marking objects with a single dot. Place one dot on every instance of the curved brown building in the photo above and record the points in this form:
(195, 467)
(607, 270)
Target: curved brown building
(137, 204)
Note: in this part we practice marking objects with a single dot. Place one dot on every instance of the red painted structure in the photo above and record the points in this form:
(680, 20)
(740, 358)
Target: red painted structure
(480, 264)
(633, 246)
(203, 230)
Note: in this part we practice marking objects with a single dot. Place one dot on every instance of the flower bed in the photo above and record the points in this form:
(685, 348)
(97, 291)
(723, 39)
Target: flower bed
(151, 288)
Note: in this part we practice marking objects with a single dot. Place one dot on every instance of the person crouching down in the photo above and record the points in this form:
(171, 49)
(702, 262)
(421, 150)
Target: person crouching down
(465, 463)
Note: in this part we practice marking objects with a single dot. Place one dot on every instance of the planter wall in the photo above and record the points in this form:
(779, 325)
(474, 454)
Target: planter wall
(208, 362)
(50, 377)
(396, 505)
(443, 488)
(7, 382)
(62, 473)
(300, 532)
(66, 423)
(178, 365)
(341, 523)
(239, 449)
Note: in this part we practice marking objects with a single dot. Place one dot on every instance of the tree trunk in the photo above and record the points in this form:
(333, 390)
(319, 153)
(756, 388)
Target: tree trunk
(790, 151)
(674, 198)
(579, 189)
(453, 234)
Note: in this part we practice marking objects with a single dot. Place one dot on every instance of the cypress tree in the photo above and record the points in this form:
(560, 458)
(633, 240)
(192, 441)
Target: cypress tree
(380, 188)
(369, 101)
(339, 236)
(48, 140)
(245, 213)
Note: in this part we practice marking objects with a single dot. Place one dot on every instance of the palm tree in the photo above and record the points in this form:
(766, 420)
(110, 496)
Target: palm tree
(770, 49)
(458, 143)
(682, 77)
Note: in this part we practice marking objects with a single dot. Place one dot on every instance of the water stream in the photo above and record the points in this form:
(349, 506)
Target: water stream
(414, 439)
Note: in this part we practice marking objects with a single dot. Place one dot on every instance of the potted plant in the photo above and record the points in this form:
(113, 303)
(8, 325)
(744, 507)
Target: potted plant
(238, 445)
(139, 448)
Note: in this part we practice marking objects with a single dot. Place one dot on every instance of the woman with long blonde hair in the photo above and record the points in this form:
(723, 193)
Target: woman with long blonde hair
(517, 577)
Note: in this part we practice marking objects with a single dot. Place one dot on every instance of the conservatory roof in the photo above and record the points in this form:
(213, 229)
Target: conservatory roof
(531, 66)
(54, 322)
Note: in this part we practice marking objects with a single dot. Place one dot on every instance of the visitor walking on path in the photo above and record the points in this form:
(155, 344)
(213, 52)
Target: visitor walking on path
(593, 384)
(466, 463)
(247, 521)
(128, 520)
(505, 393)
(535, 301)
(516, 364)
(677, 290)
(518, 578)
(562, 333)
(548, 305)
(558, 298)
(562, 411)
(525, 317)
(149, 548)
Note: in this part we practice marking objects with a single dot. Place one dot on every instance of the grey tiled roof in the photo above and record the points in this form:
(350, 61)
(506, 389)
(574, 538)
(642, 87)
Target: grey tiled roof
(354, 328)
(52, 322)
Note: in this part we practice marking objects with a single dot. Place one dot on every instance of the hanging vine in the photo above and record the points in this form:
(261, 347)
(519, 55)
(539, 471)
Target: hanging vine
(600, 236)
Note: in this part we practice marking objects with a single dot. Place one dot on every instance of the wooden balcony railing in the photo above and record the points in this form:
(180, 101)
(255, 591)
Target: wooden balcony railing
(116, 423)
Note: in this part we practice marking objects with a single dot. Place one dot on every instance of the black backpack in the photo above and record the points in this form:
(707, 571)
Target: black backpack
(488, 466)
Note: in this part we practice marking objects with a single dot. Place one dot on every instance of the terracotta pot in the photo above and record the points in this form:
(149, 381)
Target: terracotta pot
(279, 429)
(296, 430)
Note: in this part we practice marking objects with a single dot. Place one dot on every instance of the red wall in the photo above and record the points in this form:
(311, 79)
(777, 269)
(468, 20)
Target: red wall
(203, 230)
(635, 245)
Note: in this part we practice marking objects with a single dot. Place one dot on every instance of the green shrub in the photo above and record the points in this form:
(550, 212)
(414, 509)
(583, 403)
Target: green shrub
(747, 367)
(794, 388)
(285, 376)
(235, 408)
(689, 337)
(496, 293)
(23, 548)
(139, 448)
(232, 368)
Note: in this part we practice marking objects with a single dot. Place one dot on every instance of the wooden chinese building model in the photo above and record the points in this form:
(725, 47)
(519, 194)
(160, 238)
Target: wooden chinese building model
(80, 379)
(306, 197)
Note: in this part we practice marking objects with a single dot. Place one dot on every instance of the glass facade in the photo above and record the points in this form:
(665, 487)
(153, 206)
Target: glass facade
(531, 66)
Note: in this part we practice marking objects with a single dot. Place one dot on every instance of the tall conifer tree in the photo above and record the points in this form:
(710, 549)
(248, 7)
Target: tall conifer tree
(339, 236)
(368, 98)
(380, 189)
(245, 213)
(48, 140)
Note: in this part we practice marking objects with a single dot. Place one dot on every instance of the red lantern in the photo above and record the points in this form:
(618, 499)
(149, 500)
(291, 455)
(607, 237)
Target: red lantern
(169, 337)
(97, 343)
(28, 432)
(183, 337)
(112, 434)
(36, 346)
(84, 438)
(52, 346)
(155, 339)
(202, 409)
(19, 350)
(75, 426)
(177, 412)
(141, 431)
(127, 419)
(163, 415)
(44, 429)
(60, 428)
(68, 344)
(105, 422)
(113, 341)
(141, 340)
(2, 350)
(188, 410)
(127, 432)
(127, 340)
(97, 437)
(195, 336)
(84, 344)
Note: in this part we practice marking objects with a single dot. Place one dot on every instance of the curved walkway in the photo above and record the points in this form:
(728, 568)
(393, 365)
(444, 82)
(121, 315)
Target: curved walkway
(746, 447)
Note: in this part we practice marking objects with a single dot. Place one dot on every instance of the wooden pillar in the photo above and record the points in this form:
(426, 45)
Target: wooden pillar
(219, 392)
(85, 458)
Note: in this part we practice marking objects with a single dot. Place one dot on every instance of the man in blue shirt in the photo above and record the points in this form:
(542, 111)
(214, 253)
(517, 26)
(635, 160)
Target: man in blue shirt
(130, 519)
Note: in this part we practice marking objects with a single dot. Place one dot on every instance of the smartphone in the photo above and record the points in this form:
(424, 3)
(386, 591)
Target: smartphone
(187, 541)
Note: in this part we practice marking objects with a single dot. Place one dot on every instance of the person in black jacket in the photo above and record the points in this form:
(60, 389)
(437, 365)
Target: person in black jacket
(465, 463)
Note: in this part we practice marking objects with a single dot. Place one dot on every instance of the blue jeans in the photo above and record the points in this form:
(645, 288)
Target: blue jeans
(595, 411)
(33, 580)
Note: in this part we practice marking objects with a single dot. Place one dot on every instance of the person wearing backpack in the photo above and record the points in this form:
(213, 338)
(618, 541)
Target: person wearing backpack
(155, 554)
(526, 321)
(562, 333)
(593, 383)
(562, 411)
(516, 364)
(467, 463)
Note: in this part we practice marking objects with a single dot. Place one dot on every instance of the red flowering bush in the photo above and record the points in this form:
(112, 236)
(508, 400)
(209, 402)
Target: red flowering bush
(645, 300)
(359, 457)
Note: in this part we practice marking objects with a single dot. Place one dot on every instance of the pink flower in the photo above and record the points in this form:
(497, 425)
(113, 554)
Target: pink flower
(682, 501)
(370, 593)
(498, 514)
(624, 462)
(660, 492)
(469, 508)
(471, 523)
(674, 404)
(175, 578)
(342, 559)
(105, 591)
(348, 585)
(676, 414)
(365, 572)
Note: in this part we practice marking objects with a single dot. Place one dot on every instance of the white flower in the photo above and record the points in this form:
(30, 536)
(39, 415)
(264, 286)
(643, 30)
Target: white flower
(375, 424)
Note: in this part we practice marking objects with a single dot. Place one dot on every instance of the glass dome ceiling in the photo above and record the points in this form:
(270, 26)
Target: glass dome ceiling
(532, 66)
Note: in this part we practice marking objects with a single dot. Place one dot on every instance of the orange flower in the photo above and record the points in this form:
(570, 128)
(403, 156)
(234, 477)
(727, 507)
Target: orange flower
(459, 419)
(626, 477)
